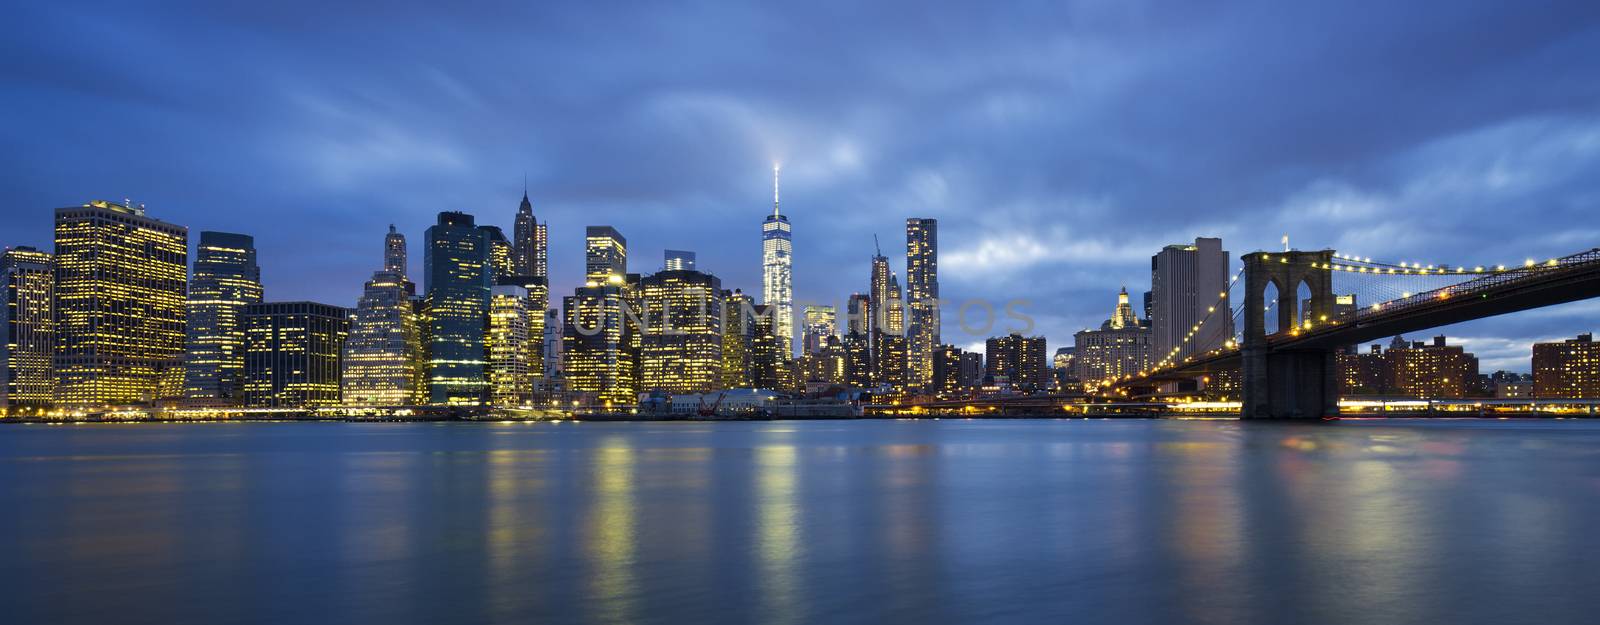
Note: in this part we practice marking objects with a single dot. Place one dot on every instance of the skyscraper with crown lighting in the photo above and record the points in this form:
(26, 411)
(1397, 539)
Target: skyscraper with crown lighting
(777, 265)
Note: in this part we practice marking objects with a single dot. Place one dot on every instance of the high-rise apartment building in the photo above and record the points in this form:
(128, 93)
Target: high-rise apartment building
(821, 322)
(459, 275)
(777, 265)
(1185, 284)
(1021, 359)
(293, 353)
(27, 330)
(922, 296)
(1567, 370)
(226, 279)
(531, 244)
(1432, 370)
(120, 292)
(681, 337)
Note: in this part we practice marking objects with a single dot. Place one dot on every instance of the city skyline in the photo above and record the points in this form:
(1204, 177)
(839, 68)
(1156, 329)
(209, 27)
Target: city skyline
(1438, 174)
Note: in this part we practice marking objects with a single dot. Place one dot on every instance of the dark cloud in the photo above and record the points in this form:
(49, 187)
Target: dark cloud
(1059, 143)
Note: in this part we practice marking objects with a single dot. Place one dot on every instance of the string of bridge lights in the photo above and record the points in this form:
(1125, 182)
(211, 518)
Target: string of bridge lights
(1365, 264)
(1189, 336)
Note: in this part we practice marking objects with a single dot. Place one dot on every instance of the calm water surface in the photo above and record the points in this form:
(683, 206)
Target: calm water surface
(853, 522)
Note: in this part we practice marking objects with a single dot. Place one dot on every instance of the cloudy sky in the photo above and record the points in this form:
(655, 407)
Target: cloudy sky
(1059, 144)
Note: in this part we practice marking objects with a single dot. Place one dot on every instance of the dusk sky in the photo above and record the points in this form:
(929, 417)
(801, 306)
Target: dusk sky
(1059, 144)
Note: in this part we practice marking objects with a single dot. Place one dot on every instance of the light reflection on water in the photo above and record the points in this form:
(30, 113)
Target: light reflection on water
(873, 521)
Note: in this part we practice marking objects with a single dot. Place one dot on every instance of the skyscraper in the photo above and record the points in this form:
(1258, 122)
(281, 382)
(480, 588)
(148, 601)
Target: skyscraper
(226, 279)
(292, 354)
(1184, 283)
(501, 260)
(605, 255)
(382, 361)
(458, 272)
(1120, 347)
(821, 322)
(890, 347)
(530, 247)
(776, 269)
(121, 285)
(922, 295)
(513, 346)
(27, 329)
(681, 345)
(395, 259)
(769, 363)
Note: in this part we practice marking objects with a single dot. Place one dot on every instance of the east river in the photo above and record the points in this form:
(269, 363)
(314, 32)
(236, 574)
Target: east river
(1059, 521)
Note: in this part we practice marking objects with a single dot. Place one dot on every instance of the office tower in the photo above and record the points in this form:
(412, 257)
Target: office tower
(946, 369)
(769, 362)
(501, 261)
(1433, 370)
(1021, 359)
(121, 287)
(513, 346)
(457, 268)
(597, 358)
(1121, 347)
(1063, 367)
(776, 266)
(27, 330)
(922, 296)
(1185, 281)
(293, 353)
(858, 360)
(820, 323)
(382, 362)
(530, 249)
(738, 334)
(226, 279)
(395, 259)
(1567, 370)
(681, 336)
(605, 255)
(678, 260)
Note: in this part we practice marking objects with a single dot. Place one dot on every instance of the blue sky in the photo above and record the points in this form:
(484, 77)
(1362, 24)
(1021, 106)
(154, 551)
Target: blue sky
(1060, 144)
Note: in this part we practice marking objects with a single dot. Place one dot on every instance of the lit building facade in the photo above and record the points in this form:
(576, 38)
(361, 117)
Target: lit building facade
(459, 276)
(501, 260)
(513, 346)
(121, 292)
(599, 356)
(293, 353)
(677, 260)
(681, 337)
(821, 323)
(1119, 348)
(27, 330)
(922, 296)
(226, 279)
(382, 362)
(946, 369)
(1020, 359)
(605, 255)
(1567, 370)
(1432, 371)
(769, 360)
(777, 265)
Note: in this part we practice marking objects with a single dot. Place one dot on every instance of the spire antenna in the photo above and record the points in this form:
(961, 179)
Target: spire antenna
(876, 251)
(775, 168)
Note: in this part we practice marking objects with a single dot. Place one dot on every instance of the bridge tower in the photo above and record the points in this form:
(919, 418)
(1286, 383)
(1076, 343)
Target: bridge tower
(1287, 384)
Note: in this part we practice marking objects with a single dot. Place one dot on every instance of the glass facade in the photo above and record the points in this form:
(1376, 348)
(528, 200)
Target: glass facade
(27, 329)
(226, 279)
(681, 337)
(293, 353)
(458, 273)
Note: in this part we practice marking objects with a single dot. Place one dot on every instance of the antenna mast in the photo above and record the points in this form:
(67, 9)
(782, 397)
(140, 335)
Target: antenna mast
(775, 167)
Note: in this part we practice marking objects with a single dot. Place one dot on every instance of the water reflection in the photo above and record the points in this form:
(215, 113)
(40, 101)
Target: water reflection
(921, 521)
